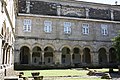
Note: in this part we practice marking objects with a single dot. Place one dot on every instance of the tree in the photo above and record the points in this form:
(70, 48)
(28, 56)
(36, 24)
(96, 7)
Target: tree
(116, 44)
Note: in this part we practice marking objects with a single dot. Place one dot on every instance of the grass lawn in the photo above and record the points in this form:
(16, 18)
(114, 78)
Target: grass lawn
(83, 79)
(65, 72)
(104, 70)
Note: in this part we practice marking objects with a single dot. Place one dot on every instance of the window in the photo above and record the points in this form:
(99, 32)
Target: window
(47, 26)
(67, 27)
(85, 28)
(27, 25)
(104, 29)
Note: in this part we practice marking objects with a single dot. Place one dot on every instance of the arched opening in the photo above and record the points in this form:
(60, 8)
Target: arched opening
(66, 57)
(48, 55)
(2, 31)
(36, 55)
(76, 56)
(112, 56)
(102, 56)
(86, 56)
(24, 55)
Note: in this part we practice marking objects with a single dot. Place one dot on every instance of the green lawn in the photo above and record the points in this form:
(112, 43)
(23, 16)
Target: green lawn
(65, 72)
(83, 79)
(104, 70)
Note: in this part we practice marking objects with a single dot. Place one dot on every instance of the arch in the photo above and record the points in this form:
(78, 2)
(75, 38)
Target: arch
(25, 44)
(38, 45)
(66, 57)
(86, 55)
(48, 55)
(50, 45)
(66, 46)
(105, 47)
(24, 55)
(112, 55)
(102, 56)
(2, 32)
(36, 55)
(76, 56)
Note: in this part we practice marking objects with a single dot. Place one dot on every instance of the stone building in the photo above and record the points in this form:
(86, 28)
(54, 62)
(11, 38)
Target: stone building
(7, 32)
(65, 33)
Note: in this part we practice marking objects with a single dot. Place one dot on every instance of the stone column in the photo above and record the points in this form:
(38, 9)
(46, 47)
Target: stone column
(5, 57)
(1, 55)
(112, 16)
(30, 57)
(58, 10)
(107, 57)
(71, 54)
(87, 12)
(81, 56)
(17, 56)
(58, 57)
(95, 58)
(43, 60)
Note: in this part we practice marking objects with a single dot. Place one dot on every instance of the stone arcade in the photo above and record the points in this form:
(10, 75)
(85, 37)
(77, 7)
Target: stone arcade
(65, 33)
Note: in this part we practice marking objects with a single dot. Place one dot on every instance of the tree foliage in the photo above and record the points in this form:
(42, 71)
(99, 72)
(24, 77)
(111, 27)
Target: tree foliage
(116, 44)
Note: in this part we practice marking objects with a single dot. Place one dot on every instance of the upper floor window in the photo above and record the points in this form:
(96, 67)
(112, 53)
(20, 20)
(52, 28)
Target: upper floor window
(27, 25)
(104, 29)
(85, 28)
(47, 26)
(67, 27)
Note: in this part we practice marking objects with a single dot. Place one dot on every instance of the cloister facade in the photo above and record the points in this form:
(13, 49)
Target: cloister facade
(65, 55)
(65, 33)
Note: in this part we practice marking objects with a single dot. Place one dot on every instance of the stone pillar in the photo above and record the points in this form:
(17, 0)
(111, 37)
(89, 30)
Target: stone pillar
(30, 57)
(58, 10)
(58, 57)
(107, 57)
(17, 56)
(87, 12)
(81, 56)
(5, 57)
(43, 60)
(1, 55)
(112, 16)
(71, 54)
(95, 58)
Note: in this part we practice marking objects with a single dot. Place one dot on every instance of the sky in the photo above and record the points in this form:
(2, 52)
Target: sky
(112, 2)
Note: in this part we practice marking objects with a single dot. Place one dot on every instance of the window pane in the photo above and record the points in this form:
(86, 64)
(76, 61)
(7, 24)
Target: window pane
(104, 29)
(47, 26)
(85, 28)
(67, 27)
(27, 25)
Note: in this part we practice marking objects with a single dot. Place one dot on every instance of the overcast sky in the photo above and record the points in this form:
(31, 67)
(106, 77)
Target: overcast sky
(112, 2)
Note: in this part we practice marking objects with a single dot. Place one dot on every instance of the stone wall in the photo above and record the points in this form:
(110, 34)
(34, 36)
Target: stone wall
(7, 71)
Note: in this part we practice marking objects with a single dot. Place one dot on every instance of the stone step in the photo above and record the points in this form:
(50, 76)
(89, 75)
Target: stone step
(11, 78)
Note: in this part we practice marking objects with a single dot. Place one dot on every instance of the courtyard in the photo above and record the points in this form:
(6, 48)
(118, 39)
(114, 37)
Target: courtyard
(71, 74)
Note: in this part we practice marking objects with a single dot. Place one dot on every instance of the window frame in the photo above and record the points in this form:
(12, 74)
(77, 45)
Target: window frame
(85, 29)
(104, 29)
(27, 24)
(47, 26)
(67, 27)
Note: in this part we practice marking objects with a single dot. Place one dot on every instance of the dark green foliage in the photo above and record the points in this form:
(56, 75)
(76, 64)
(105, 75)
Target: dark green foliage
(116, 44)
